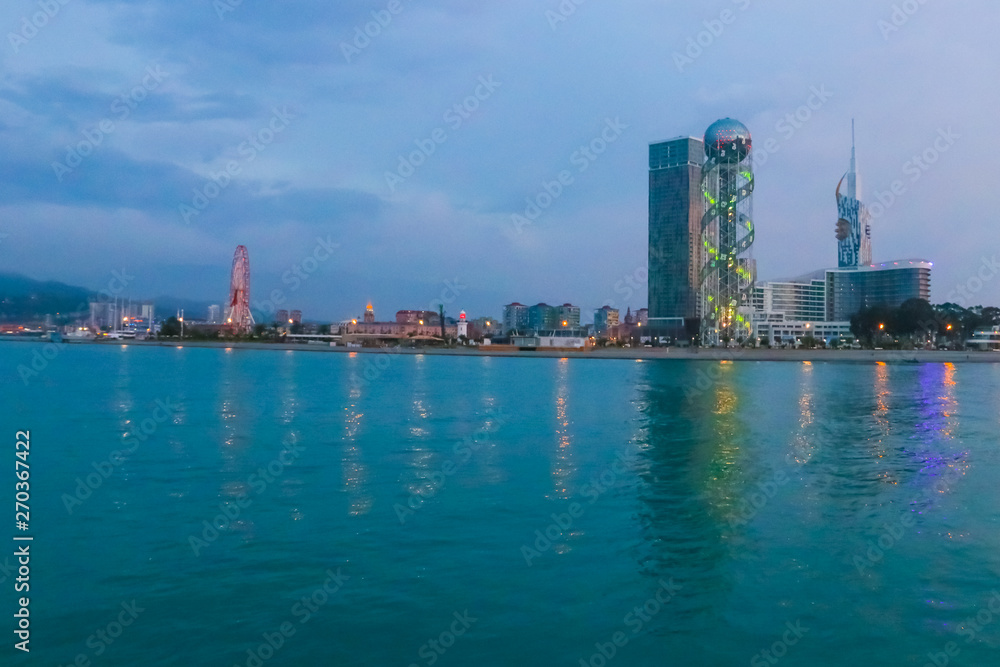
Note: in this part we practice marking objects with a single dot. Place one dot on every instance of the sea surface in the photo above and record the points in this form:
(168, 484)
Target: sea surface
(242, 507)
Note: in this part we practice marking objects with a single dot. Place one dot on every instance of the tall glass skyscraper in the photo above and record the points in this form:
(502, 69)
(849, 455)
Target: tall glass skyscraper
(675, 211)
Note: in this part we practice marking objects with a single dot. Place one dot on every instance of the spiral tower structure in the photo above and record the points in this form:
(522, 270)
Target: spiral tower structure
(728, 271)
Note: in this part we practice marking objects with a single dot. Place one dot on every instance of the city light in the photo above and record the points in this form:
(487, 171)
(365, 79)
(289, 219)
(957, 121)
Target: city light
(881, 327)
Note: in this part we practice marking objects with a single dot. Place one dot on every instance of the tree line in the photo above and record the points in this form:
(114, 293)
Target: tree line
(917, 321)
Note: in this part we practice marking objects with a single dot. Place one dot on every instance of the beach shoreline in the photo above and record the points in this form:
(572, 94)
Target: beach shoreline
(638, 354)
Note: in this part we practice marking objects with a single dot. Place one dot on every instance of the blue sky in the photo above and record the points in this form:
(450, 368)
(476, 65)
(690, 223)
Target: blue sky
(299, 116)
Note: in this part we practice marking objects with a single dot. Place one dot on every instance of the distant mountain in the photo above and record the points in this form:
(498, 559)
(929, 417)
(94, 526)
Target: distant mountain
(193, 310)
(24, 299)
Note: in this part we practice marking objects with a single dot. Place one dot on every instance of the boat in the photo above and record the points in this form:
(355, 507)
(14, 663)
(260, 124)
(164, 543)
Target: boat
(80, 335)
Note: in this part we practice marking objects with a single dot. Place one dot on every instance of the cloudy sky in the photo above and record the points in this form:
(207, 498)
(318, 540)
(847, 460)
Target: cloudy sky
(155, 136)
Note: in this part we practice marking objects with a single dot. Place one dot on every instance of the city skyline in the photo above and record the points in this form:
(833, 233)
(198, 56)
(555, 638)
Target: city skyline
(492, 130)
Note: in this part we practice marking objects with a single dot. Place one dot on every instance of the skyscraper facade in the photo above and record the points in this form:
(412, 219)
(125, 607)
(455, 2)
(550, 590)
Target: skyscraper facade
(888, 284)
(854, 231)
(675, 214)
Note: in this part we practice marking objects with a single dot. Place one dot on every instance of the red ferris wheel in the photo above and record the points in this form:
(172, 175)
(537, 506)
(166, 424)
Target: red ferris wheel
(239, 317)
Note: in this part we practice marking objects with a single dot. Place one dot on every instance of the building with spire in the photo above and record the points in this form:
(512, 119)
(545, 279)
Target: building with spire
(820, 304)
(854, 231)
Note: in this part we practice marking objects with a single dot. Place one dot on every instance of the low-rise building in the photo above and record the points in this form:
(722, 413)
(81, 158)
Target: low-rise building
(985, 339)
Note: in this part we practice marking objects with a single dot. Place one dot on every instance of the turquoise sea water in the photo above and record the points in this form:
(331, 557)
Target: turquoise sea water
(393, 510)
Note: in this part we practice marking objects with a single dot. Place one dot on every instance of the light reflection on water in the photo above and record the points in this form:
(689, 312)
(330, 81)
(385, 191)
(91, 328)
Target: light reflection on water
(699, 499)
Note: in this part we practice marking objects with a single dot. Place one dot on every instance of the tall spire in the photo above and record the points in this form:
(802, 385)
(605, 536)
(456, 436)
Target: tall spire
(852, 175)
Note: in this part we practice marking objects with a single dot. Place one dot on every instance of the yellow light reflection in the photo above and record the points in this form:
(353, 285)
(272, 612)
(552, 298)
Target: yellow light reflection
(561, 467)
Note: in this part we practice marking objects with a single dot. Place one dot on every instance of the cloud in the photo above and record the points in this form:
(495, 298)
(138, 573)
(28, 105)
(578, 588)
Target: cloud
(354, 117)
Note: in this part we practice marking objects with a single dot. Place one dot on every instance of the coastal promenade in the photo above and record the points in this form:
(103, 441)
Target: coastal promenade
(638, 353)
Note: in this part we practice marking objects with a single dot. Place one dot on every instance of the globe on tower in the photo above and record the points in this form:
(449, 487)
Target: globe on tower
(728, 140)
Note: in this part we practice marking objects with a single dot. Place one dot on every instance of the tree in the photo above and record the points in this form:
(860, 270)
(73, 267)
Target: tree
(324, 330)
(915, 316)
(872, 322)
(172, 327)
(991, 316)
